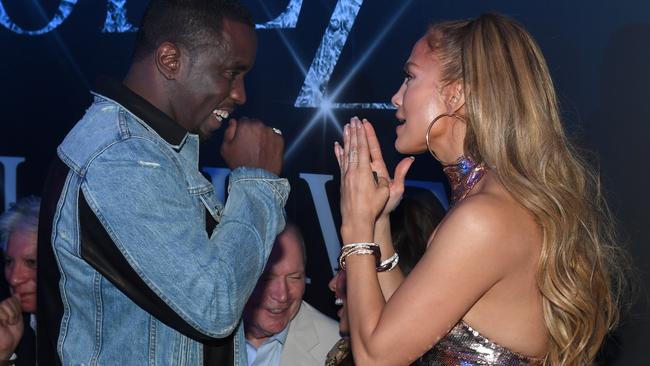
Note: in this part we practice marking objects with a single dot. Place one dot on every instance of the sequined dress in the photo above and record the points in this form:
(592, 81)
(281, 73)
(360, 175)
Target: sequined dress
(464, 346)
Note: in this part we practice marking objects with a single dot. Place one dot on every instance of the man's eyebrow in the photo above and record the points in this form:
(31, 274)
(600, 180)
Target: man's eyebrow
(241, 67)
(238, 66)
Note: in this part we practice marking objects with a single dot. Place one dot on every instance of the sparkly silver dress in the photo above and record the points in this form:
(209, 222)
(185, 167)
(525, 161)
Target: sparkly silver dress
(463, 346)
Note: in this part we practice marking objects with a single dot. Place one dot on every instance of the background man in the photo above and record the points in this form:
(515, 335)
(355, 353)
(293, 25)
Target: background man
(18, 230)
(281, 329)
(153, 269)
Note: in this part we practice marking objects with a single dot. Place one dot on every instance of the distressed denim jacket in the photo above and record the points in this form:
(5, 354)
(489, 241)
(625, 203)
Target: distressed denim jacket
(151, 201)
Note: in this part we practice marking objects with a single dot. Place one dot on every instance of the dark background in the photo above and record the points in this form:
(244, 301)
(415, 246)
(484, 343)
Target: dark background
(597, 52)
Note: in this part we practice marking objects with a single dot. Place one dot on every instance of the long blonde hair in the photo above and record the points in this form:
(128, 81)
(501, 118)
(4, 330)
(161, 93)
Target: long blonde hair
(514, 127)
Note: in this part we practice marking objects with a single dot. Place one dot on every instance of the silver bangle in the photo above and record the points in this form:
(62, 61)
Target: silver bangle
(389, 263)
(364, 248)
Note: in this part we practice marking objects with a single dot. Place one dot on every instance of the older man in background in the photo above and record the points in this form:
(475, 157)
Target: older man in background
(18, 236)
(281, 328)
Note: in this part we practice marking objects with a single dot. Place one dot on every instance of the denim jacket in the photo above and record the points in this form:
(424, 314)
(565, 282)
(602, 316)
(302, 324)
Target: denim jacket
(147, 196)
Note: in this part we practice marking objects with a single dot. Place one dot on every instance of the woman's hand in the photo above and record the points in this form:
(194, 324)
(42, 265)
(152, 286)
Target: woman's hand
(396, 185)
(363, 194)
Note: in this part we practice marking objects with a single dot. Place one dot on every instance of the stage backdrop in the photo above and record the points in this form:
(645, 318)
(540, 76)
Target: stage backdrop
(321, 62)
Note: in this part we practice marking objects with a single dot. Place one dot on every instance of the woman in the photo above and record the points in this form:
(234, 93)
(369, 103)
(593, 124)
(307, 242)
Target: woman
(520, 270)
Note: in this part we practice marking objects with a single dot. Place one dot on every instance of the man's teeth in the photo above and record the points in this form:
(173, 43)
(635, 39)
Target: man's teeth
(338, 302)
(220, 114)
(276, 311)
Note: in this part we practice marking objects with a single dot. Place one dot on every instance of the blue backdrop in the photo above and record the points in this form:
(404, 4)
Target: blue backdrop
(321, 62)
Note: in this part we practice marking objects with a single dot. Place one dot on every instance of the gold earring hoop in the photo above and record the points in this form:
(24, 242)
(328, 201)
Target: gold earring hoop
(453, 115)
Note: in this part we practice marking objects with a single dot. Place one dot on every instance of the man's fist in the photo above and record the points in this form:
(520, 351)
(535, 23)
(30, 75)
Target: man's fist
(250, 143)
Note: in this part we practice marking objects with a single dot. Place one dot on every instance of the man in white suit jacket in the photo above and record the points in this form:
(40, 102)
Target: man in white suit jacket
(280, 328)
(311, 336)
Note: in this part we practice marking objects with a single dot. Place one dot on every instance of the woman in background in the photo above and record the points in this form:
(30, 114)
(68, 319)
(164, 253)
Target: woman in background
(523, 269)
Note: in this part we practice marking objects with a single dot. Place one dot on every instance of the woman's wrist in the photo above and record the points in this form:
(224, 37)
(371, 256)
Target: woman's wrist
(383, 236)
(357, 233)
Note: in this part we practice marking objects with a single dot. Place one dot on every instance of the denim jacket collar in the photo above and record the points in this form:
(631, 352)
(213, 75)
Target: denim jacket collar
(153, 117)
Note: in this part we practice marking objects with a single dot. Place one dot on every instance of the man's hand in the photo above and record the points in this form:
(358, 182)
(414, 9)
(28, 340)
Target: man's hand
(11, 326)
(250, 143)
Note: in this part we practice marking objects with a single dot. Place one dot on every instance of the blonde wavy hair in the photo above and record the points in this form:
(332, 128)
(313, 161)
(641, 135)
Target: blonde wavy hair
(513, 125)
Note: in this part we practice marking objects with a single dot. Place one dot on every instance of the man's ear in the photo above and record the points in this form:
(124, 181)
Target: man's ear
(454, 96)
(168, 60)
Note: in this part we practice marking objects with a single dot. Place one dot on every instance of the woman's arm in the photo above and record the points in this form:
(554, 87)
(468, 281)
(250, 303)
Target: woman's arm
(389, 280)
(460, 266)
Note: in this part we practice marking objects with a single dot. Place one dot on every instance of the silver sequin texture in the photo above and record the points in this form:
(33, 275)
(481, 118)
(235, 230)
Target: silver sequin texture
(464, 346)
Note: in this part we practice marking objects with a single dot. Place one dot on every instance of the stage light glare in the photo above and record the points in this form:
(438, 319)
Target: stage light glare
(326, 106)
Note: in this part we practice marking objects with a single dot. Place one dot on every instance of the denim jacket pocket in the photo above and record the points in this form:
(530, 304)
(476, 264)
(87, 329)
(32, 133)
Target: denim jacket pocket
(206, 193)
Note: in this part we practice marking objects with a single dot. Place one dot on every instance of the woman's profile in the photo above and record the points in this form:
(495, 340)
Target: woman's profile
(522, 270)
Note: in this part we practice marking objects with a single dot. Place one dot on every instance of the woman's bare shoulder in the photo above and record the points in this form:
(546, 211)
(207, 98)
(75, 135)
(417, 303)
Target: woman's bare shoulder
(488, 223)
(482, 212)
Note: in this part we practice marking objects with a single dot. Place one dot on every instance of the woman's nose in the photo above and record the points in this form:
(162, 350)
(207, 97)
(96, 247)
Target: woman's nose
(332, 283)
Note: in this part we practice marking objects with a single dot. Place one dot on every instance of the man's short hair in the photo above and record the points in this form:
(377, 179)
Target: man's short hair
(21, 216)
(293, 229)
(190, 23)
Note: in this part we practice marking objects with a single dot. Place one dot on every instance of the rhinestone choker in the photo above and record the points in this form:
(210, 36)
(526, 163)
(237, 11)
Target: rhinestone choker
(463, 176)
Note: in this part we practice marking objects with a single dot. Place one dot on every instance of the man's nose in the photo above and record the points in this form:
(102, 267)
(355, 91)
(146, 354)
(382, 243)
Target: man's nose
(238, 91)
(279, 290)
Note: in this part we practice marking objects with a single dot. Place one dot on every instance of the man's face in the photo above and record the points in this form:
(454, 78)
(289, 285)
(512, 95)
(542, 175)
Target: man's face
(278, 294)
(211, 83)
(20, 268)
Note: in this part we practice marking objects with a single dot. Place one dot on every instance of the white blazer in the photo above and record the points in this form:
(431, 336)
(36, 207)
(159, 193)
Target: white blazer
(311, 335)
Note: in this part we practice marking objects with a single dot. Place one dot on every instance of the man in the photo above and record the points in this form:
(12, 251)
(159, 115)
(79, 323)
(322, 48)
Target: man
(153, 269)
(18, 228)
(281, 329)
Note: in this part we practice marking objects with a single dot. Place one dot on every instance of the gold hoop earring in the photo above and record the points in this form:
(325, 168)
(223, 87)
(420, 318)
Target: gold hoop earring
(453, 115)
